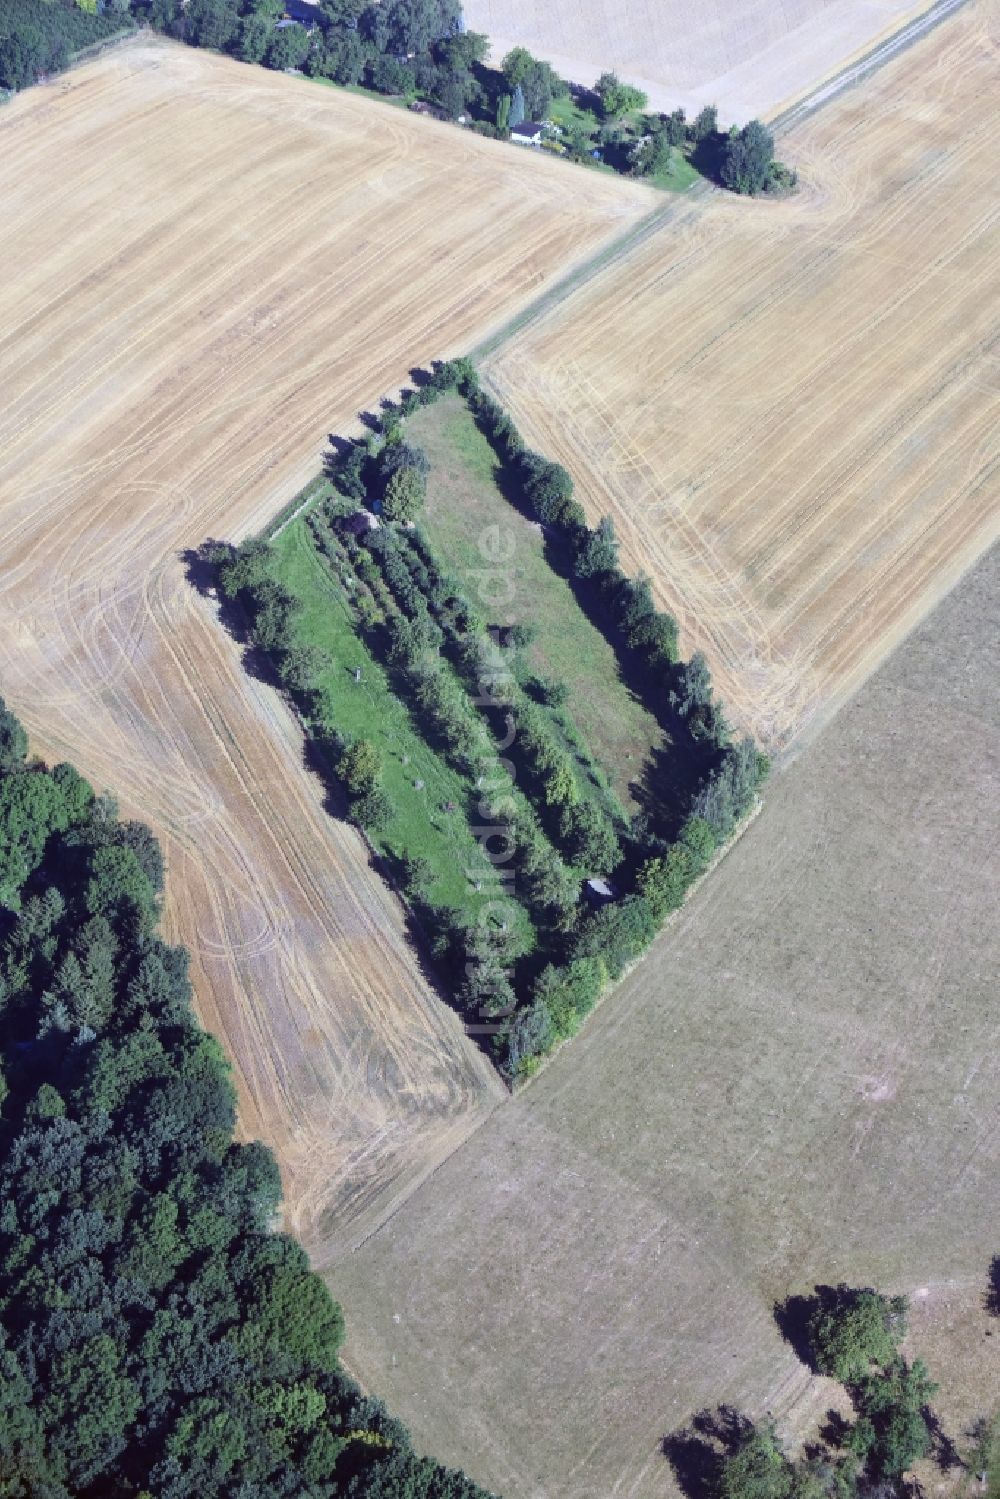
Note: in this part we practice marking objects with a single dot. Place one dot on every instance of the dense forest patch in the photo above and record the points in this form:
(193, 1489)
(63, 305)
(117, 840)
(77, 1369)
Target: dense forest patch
(157, 1336)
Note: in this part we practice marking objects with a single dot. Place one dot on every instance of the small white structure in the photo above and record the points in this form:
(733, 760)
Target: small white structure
(528, 133)
(599, 891)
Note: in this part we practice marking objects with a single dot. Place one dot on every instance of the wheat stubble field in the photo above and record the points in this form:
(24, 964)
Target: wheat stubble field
(208, 268)
(790, 408)
(748, 58)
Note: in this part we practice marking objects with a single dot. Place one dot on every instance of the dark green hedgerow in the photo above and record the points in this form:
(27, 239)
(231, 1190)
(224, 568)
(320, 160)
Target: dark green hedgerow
(464, 697)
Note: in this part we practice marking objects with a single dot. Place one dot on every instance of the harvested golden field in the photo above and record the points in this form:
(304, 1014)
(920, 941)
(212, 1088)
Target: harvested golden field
(790, 408)
(209, 267)
(749, 58)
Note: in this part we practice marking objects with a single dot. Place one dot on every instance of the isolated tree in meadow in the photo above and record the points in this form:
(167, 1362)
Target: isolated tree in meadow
(746, 165)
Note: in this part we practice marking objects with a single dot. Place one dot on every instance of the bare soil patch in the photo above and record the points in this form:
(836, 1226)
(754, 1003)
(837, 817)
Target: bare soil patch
(790, 408)
(210, 267)
(601, 1258)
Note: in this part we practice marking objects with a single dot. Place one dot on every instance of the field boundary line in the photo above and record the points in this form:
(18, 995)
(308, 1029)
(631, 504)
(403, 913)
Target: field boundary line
(300, 502)
(819, 95)
(522, 1084)
(582, 274)
(851, 73)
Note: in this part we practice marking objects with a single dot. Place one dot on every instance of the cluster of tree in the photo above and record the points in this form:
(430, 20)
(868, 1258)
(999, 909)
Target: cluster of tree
(39, 37)
(609, 939)
(420, 47)
(402, 478)
(748, 164)
(156, 1335)
(852, 1336)
(393, 46)
(650, 634)
(741, 159)
(433, 611)
(359, 770)
(601, 945)
(245, 579)
(654, 153)
(443, 689)
(528, 88)
(617, 98)
(466, 697)
(417, 47)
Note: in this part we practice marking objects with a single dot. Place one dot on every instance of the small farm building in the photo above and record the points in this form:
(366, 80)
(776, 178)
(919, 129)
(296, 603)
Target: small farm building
(599, 892)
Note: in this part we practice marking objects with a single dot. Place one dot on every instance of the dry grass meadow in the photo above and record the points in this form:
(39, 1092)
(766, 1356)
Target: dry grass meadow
(748, 58)
(208, 268)
(798, 1084)
(790, 408)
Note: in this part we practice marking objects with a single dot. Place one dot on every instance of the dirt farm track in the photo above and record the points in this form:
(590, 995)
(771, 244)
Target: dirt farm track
(791, 409)
(208, 268)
